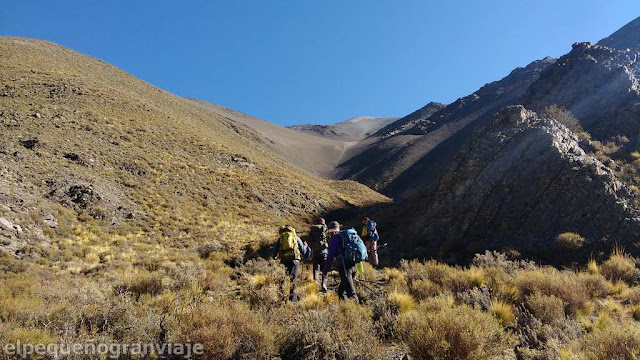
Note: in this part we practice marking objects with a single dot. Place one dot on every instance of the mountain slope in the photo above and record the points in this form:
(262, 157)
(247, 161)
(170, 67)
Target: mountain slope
(628, 37)
(354, 129)
(93, 159)
(597, 84)
(410, 121)
(400, 164)
(519, 183)
(314, 154)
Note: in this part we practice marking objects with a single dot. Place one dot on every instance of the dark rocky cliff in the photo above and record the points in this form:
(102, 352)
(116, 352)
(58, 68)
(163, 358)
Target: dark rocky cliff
(519, 183)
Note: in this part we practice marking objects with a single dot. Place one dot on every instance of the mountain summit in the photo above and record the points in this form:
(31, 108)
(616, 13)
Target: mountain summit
(628, 37)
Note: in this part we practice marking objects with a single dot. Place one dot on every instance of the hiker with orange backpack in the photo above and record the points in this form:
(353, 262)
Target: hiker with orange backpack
(290, 249)
(371, 237)
(319, 243)
(347, 247)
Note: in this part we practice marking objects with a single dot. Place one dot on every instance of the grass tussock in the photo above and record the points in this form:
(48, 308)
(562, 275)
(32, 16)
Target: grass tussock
(404, 302)
(503, 311)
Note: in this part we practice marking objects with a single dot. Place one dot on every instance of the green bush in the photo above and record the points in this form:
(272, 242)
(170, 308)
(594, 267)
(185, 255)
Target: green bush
(570, 241)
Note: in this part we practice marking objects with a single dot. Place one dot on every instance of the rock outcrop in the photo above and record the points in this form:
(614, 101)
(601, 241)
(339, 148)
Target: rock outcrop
(520, 182)
(598, 85)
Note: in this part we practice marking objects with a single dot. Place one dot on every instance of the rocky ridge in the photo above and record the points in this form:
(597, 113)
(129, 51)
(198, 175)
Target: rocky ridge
(517, 184)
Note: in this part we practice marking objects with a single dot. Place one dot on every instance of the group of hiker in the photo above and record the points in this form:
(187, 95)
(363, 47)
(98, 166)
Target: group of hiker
(325, 244)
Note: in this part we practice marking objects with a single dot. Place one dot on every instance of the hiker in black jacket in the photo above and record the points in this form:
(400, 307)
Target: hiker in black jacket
(319, 244)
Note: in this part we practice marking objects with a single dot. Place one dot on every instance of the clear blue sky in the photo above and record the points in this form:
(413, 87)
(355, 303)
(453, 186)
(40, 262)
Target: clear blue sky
(318, 61)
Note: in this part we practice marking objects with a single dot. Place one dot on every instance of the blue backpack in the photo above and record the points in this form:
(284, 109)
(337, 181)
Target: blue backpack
(372, 231)
(353, 249)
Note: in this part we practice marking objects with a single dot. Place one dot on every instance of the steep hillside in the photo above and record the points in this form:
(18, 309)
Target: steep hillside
(354, 129)
(410, 121)
(399, 164)
(628, 37)
(314, 154)
(598, 85)
(521, 182)
(93, 160)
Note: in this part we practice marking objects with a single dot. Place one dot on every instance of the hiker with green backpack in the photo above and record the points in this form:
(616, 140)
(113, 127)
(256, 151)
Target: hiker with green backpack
(319, 243)
(347, 247)
(290, 249)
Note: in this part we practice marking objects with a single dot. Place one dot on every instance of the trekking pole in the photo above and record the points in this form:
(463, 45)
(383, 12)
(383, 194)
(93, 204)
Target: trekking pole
(375, 291)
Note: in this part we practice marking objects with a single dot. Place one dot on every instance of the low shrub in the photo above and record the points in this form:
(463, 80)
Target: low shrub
(397, 279)
(424, 288)
(227, 331)
(564, 117)
(549, 281)
(570, 241)
(385, 318)
(497, 260)
(633, 295)
(459, 332)
(595, 285)
(453, 279)
(141, 283)
(547, 308)
(616, 341)
(369, 273)
(340, 331)
(619, 267)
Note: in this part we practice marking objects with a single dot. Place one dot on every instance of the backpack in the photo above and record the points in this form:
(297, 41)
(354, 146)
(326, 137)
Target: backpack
(289, 244)
(318, 238)
(353, 249)
(371, 230)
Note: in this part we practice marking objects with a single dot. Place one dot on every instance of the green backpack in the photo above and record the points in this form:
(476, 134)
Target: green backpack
(318, 240)
(289, 244)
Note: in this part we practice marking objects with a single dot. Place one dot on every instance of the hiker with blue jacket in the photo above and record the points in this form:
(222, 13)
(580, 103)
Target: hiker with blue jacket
(371, 237)
(290, 249)
(347, 247)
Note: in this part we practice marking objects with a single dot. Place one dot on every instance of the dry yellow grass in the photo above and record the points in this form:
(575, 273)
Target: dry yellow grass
(405, 302)
(503, 311)
(592, 267)
(144, 165)
(185, 198)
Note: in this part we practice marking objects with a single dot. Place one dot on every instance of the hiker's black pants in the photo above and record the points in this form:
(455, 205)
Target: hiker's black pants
(319, 259)
(346, 289)
(293, 270)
